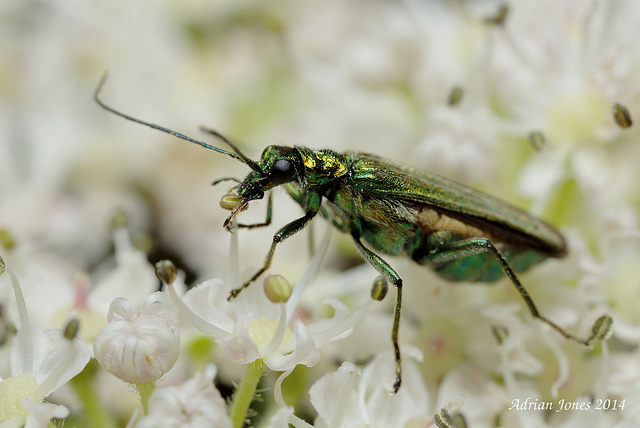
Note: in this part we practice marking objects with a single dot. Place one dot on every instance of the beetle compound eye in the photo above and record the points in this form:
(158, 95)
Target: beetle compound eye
(281, 171)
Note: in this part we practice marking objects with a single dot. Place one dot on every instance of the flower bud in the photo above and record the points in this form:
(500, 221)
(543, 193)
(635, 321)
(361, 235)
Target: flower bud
(139, 347)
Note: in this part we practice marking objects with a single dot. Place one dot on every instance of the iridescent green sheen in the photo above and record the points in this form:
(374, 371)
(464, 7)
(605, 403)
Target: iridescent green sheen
(462, 234)
(379, 202)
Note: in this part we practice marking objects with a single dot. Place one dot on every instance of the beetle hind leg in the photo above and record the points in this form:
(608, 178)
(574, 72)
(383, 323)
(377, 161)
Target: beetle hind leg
(451, 251)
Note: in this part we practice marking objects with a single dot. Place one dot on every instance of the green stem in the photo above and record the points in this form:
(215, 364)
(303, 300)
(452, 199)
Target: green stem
(144, 391)
(245, 392)
(95, 413)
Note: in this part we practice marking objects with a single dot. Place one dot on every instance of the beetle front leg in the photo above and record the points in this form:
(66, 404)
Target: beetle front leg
(392, 276)
(266, 222)
(288, 230)
(223, 179)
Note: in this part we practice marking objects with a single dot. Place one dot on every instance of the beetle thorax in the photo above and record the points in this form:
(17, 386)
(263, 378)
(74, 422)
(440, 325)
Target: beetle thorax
(322, 166)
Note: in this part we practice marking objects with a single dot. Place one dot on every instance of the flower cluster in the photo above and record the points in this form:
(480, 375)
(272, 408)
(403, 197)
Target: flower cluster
(115, 271)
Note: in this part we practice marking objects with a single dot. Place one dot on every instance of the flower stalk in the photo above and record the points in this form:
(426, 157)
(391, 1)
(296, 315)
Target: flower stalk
(95, 413)
(245, 392)
(144, 391)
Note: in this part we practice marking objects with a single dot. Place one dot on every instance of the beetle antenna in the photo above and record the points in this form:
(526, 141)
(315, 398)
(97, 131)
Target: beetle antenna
(97, 99)
(252, 164)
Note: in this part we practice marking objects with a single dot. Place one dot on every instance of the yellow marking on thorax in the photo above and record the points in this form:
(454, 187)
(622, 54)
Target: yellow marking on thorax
(320, 164)
(334, 165)
(432, 221)
(309, 162)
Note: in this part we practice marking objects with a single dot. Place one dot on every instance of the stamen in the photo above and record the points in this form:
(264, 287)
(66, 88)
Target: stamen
(277, 389)
(537, 139)
(342, 327)
(230, 201)
(443, 419)
(602, 328)
(276, 340)
(379, 289)
(234, 256)
(622, 116)
(6, 240)
(600, 388)
(343, 399)
(166, 271)
(311, 272)
(67, 353)
(228, 223)
(597, 29)
(499, 18)
(279, 399)
(195, 319)
(119, 219)
(564, 370)
(70, 330)
(277, 288)
(24, 333)
(121, 240)
(460, 421)
(500, 332)
(455, 95)
(508, 375)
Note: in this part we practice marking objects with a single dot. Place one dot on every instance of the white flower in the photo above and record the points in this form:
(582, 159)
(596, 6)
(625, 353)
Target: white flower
(623, 383)
(41, 362)
(484, 398)
(132, 277)
(21, 404)
(339, 74)
(252, 327)
(195, 403)
(456, 137)
(139, 347)
(350, 398)
(563, 78)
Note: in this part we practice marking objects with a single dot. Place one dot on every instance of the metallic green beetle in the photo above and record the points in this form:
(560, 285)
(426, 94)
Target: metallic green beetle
(462, 234)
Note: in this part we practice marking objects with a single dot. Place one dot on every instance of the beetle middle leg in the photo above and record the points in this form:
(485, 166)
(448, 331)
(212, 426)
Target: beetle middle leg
(392, 276)
(476, 246)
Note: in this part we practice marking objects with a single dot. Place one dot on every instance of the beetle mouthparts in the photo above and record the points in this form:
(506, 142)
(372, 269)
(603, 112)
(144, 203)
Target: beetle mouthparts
(241, 206)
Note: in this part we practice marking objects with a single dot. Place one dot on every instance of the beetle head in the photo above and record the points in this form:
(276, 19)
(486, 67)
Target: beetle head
(278, 165)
